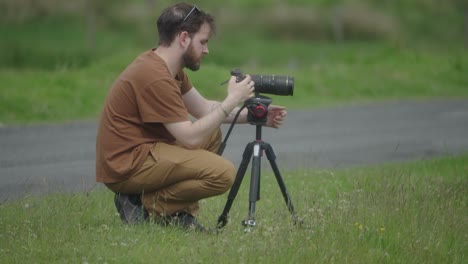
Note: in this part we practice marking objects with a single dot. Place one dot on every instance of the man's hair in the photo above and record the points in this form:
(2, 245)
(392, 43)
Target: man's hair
(181, 17)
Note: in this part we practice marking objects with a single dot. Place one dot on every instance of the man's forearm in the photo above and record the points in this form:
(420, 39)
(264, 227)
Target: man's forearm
(240, 120)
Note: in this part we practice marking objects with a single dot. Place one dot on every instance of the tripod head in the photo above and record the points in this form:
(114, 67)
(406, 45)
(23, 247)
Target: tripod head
(257, 109)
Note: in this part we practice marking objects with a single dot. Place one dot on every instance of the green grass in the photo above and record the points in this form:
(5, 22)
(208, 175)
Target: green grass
(324, 73)
(53, 43)
(48, 72)
(400, 213)
(395, 213)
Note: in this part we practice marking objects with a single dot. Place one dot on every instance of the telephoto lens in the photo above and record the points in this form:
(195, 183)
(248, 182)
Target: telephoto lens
(273, 84)
(270, 84)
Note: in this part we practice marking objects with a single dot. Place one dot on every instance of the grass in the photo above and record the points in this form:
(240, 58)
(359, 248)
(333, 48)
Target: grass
(395, 213)
(325, 73)
(49, 73)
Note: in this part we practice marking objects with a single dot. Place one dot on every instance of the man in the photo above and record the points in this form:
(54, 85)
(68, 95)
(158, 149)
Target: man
(148, 151)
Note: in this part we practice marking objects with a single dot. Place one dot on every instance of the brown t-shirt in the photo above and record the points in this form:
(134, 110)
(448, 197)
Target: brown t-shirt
(143, 97)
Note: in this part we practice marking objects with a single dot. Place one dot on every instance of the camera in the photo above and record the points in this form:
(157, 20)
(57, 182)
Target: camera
(270, 84)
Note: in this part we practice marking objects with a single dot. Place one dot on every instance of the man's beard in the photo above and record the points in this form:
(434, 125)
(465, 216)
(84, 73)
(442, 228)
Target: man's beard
(191, 60)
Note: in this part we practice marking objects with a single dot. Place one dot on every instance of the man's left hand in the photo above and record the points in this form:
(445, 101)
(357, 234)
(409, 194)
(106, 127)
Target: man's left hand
(276, 116)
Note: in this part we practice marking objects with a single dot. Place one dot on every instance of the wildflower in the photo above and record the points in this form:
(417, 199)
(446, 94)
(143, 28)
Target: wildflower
(358, 225)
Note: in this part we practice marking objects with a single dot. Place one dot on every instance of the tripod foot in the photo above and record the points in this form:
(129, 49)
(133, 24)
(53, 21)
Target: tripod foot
(222, 221)
(297, 221)
(249, 223)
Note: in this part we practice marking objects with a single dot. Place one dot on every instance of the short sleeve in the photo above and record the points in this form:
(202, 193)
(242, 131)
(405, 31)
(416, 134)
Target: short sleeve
(186, 85)
(161, 102)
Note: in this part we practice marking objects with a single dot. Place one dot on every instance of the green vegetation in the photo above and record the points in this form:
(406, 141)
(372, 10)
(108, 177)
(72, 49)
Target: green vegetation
(324, 74)
(400, 213)
(58, 59)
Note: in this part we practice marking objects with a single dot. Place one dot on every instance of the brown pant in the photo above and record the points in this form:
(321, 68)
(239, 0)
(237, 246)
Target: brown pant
(174, 179)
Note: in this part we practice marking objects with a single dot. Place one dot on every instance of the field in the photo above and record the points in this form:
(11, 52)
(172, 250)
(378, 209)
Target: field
(410, 49)
(58, 59)
(397, 213)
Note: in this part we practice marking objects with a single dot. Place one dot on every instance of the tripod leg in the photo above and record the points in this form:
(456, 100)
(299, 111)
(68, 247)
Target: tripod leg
(223, 218)
(272, 158)
(254, 194)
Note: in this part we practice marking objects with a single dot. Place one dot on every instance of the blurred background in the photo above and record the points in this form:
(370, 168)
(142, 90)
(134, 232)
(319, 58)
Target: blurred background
(58, 58)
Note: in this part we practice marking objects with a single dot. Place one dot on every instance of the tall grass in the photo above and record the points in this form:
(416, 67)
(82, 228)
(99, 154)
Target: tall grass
(324, 74)
(400, 213)
(50, 73)
(60, 30)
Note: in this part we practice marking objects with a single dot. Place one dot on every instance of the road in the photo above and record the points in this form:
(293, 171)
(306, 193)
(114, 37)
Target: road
(38, 159)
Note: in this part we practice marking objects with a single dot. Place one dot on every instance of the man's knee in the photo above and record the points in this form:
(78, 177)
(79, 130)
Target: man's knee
(229, 176)
(225, 176)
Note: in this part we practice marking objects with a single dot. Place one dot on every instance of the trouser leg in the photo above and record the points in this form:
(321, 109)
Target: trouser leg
(174, 179)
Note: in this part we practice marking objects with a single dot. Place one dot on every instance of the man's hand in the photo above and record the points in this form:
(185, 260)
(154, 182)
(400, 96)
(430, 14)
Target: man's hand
(276, 116)
(238, 92)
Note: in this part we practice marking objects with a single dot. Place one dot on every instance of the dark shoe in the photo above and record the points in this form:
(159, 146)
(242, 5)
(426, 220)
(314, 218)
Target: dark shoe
(130, 208)
(185, 221)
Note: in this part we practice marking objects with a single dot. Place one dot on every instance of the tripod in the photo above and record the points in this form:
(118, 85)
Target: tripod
(255, 151)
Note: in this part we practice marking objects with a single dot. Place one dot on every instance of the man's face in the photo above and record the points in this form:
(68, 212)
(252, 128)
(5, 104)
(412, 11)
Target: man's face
(198, 48)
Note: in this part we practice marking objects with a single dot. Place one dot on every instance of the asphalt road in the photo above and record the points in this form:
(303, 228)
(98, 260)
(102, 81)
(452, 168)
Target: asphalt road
(38, 159)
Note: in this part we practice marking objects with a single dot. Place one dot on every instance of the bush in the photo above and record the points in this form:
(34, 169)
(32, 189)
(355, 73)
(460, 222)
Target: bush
(343, 22)
(21, 11)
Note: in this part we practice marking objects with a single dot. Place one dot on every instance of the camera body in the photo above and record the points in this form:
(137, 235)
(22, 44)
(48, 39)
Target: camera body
(272, 84)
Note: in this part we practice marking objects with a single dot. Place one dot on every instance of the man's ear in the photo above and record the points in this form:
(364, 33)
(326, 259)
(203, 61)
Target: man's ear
(184, 39)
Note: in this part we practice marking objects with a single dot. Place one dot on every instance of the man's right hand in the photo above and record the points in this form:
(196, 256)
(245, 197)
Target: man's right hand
(238, 92)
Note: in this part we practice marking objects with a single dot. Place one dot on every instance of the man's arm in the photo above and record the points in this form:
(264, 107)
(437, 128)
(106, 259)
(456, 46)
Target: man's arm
(199, 107)
(193, 134)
